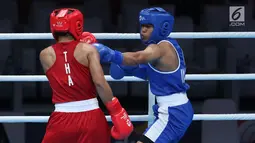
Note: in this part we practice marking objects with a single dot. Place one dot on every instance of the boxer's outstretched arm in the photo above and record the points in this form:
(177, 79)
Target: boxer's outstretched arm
(102, 86)
(151, 53)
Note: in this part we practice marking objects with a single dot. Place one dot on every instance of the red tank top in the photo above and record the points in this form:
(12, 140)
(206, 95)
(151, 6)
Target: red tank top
(69, 80)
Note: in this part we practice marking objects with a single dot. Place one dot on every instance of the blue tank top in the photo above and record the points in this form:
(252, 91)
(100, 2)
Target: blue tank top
(167, 83)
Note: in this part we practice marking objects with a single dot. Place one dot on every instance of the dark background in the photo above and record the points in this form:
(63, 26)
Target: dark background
(21, 57)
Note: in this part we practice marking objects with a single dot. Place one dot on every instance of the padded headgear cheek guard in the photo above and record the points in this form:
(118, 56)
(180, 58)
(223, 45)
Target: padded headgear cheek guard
(162, 23)
(67, 20)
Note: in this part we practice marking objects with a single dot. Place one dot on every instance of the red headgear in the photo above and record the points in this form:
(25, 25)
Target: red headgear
(67, 20)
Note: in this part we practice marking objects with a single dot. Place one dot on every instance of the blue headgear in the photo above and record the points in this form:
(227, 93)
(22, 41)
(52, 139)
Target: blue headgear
(161, 20)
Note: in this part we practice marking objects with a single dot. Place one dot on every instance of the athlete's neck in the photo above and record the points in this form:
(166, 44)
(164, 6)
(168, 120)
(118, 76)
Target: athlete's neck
(64, 39)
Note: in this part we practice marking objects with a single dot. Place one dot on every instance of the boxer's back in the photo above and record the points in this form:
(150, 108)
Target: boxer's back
(69, 80)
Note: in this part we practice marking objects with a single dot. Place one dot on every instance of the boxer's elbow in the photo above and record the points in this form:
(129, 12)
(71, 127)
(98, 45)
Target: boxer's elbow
(99, 84)
(140, 58)
(104, 91)
(99, 87)
(99, 81)
(134, 58)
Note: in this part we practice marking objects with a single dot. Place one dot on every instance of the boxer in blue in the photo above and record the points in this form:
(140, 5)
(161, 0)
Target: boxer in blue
(162, 63)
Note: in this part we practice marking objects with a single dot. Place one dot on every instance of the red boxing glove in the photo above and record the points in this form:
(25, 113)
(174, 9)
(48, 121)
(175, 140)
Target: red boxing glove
(88, 38)
(122, 126)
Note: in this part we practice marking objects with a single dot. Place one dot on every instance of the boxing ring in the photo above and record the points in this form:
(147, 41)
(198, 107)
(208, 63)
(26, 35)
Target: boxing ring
(151, 99)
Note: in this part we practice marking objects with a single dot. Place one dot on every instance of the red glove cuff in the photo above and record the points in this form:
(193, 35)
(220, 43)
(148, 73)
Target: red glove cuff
(88, 38)
(114, 106)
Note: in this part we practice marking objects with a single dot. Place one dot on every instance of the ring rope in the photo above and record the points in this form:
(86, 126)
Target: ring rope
(32, 78)
(177, 35)
(197, 117)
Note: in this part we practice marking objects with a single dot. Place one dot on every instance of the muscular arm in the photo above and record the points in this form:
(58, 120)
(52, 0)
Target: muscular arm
(151, 53)
(102, 86)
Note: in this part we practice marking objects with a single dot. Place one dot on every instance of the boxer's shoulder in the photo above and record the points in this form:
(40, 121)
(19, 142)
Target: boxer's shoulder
(84, 48)
(47, 57)
(165, 44)
(46, 52)
(83, 51)
(167, 48)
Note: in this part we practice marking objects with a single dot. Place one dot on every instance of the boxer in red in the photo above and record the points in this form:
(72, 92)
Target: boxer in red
(75, 75)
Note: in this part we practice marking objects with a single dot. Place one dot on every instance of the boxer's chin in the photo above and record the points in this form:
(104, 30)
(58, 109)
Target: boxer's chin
(144, 38)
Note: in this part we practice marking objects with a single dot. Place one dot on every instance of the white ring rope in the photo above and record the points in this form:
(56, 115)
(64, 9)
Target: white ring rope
(178, 35)
(197, 117)
(31, 78)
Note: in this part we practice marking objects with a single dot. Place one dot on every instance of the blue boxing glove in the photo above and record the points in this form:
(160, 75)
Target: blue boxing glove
(108, 55)
(119, 71)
